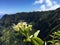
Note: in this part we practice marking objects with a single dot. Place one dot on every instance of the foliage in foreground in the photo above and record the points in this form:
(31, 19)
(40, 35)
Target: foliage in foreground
(23, 35)
(55, 38)
(24, 29)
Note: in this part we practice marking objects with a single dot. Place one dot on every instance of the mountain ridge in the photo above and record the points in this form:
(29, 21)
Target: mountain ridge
(45, 21)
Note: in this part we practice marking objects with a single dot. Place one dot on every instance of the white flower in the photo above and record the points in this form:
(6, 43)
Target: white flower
(30, 27)
(31, 36)
(15, 27)
(22, 26)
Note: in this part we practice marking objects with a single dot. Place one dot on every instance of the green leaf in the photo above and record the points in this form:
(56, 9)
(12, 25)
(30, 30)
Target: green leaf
(51, 36)
(34, 42)
(27, 40)
(38, 40)
(50, 41)
(36, 33)
(21, 32)
(58, 32)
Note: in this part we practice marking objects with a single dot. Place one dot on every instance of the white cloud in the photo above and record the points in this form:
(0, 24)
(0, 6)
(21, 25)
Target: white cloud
(43, 8)
(49, 5)
(38, 1)
(55, 6)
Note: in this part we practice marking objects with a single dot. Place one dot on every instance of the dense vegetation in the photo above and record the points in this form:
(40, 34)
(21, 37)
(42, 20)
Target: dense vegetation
(47, 22)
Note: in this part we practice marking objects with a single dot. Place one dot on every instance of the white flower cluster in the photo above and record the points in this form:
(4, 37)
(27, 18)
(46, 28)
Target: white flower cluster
(22, 26)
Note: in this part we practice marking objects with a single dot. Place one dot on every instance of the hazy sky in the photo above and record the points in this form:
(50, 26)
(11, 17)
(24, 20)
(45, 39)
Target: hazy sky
(13, 6)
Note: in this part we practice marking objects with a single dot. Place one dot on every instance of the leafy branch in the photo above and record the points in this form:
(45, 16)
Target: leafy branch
(24, 29)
